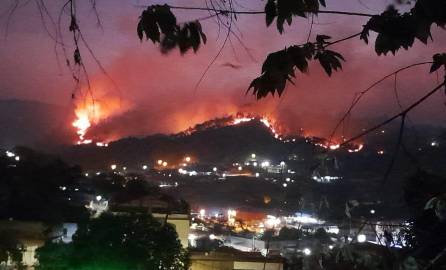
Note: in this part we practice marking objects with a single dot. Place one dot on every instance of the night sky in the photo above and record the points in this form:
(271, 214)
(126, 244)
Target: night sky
(156, 92)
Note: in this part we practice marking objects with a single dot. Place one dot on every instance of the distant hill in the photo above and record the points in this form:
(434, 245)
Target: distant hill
(214, 144)
(33, 123)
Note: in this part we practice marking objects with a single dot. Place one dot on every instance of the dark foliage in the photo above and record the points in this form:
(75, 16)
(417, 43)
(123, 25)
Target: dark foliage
(117, 242)
(422, 187)
(279, 67)
(159, 24)
(284, 10)
(396, 30)
(289, 234)
(439, 60)
(10, 249)
(30, 189)
(426, 233)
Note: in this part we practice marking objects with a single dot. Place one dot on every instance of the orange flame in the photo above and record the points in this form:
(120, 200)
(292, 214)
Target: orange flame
(90, 112)
(86, 113)
(267, 122)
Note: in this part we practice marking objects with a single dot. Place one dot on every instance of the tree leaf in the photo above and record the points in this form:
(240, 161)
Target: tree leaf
(439, 60)
(329, 60)
(279, 68)
(140, 30)
(159, 24)
(397, 31)
(321, 39)
(270, 11)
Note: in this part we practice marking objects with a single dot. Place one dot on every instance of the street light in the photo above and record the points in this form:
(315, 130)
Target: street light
(362, 238)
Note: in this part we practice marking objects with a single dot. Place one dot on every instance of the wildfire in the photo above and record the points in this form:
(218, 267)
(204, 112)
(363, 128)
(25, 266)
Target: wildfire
(242, 120)
(263, 120)
(269, 124)
(90, 112)
(83, 123)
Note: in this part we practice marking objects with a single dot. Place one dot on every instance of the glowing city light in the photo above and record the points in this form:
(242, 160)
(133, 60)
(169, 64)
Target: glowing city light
(333, 229)
(113, 166)
(334, 146)
(232, 213)
(272, 221)
(265, 164)
(362, 238)
(307, 251)
(231, 216)
(357, 149)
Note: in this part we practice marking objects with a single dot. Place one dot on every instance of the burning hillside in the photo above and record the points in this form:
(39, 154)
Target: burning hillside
(236, 119)
(89, 114)
(91, 111)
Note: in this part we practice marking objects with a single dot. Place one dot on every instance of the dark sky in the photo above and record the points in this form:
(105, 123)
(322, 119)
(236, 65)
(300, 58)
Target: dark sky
(156, 92)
